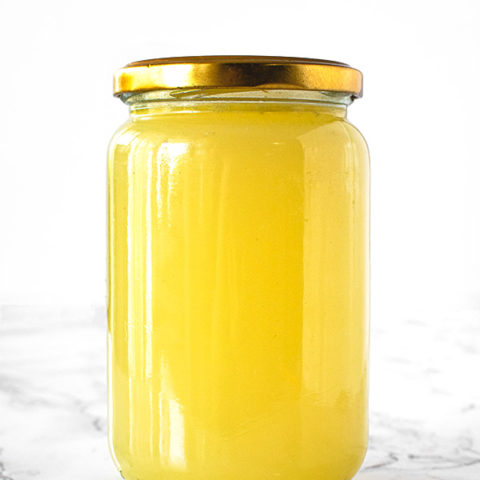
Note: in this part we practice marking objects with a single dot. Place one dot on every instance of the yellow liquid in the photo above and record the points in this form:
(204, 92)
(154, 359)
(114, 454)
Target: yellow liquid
(238, 293)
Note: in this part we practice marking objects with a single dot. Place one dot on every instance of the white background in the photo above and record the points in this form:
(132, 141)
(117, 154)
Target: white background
(421, 65)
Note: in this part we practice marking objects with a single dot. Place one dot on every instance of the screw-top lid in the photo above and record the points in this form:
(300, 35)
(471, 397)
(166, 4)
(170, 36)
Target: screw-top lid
(236, 72)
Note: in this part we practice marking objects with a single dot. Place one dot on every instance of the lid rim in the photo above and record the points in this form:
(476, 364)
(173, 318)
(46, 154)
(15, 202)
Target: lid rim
(235, 59)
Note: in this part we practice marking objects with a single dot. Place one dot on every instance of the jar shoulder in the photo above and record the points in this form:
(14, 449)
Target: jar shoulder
(121, 136)
(357, 137)
(304, 132)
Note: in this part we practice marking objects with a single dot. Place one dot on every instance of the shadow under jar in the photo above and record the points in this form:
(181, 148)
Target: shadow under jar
(238, 271)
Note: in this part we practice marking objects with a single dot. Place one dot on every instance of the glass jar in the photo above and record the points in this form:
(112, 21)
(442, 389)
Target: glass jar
(238, 197)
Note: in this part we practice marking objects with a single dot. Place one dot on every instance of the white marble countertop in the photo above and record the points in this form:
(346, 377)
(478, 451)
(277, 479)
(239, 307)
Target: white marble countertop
(425, 397)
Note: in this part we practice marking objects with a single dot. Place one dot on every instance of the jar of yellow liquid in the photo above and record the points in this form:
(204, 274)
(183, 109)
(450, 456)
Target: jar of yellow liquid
(238, 271)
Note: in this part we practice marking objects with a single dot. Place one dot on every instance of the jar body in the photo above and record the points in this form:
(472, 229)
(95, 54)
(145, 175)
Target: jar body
(238, 293)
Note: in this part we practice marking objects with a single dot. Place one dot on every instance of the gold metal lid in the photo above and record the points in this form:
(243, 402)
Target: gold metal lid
(238, 71)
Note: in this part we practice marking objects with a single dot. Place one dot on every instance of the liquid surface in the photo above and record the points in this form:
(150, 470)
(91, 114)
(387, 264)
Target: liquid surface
(238, 254)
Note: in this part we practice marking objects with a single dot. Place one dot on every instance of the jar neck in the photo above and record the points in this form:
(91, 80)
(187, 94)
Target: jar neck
(146, 104)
